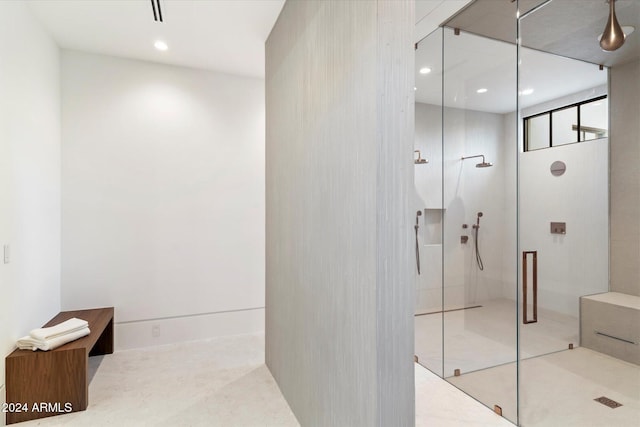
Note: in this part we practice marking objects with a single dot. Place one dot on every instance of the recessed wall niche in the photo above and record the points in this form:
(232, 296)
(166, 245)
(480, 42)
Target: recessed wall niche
(433, 226)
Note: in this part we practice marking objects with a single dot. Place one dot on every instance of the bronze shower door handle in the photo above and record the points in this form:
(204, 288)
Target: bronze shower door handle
(525, 319)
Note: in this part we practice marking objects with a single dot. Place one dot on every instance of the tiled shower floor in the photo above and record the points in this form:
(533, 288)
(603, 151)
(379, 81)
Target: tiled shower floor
(558, 386)
(559, 389)
(479, 338)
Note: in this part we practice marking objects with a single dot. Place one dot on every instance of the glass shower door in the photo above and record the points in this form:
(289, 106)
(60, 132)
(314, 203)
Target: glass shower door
(515, 204)
(479, 204)
(563, 220)
(428, 202)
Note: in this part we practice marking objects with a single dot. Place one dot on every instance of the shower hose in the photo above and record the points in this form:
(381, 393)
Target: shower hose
(478, 257)
(417, 249)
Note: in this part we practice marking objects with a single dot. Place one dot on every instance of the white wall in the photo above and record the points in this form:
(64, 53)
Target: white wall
(163, 198)
(574, 264)
(580, 198)
(511, 149)
(428, 195)
(29, 176)
(467, 191)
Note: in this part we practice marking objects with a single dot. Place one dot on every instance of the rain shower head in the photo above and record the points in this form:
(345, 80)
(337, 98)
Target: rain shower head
(483, 164)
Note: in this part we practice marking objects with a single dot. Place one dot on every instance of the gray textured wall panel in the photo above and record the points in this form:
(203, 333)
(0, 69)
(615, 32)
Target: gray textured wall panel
(339, 140)
(395, 278)
(625, 178)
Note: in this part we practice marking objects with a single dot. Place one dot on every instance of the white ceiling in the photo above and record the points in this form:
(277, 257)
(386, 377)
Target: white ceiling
(229, 35)
(221, 35)
(431, 13)
(473, 62)
(565, 27)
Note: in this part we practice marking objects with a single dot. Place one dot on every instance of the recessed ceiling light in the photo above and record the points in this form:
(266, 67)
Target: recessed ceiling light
(482, 90)
(160, 45)
(425, 70)
(415, 88)
(525, 92)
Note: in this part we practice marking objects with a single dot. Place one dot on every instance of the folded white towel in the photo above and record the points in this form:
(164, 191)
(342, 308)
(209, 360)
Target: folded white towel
(68, 326)
(31, 343)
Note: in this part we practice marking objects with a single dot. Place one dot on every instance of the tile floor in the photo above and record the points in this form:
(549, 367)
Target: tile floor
(560, 388)
(224, 382)
(558, 385)
(217, 382)
(480, 338)
(440, 404)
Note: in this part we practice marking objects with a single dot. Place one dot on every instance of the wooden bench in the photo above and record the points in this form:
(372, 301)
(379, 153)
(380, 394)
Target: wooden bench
(45, 383)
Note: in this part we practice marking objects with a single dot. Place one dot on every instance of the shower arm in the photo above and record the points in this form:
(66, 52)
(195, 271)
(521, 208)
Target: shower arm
(473, 157)
(419, 160)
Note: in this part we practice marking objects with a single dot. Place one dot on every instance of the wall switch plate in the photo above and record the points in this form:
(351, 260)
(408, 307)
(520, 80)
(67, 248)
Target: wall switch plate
(155, 331)
(7, 254)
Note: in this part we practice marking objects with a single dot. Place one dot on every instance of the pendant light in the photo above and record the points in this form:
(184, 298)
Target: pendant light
(613, 36)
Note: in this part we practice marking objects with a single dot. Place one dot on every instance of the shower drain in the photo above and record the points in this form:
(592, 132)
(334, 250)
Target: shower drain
(608, 402)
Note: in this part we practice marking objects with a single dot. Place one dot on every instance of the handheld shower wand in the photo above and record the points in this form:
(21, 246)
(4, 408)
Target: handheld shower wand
(476, 227)
(478, 220)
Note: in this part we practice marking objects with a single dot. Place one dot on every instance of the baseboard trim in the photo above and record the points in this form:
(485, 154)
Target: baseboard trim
(175, 329)
(180, 316)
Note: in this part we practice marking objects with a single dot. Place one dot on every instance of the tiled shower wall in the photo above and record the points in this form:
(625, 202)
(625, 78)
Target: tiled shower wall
(468, 190)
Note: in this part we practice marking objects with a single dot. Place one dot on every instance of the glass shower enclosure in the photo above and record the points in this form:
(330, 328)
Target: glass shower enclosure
(511, 204)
